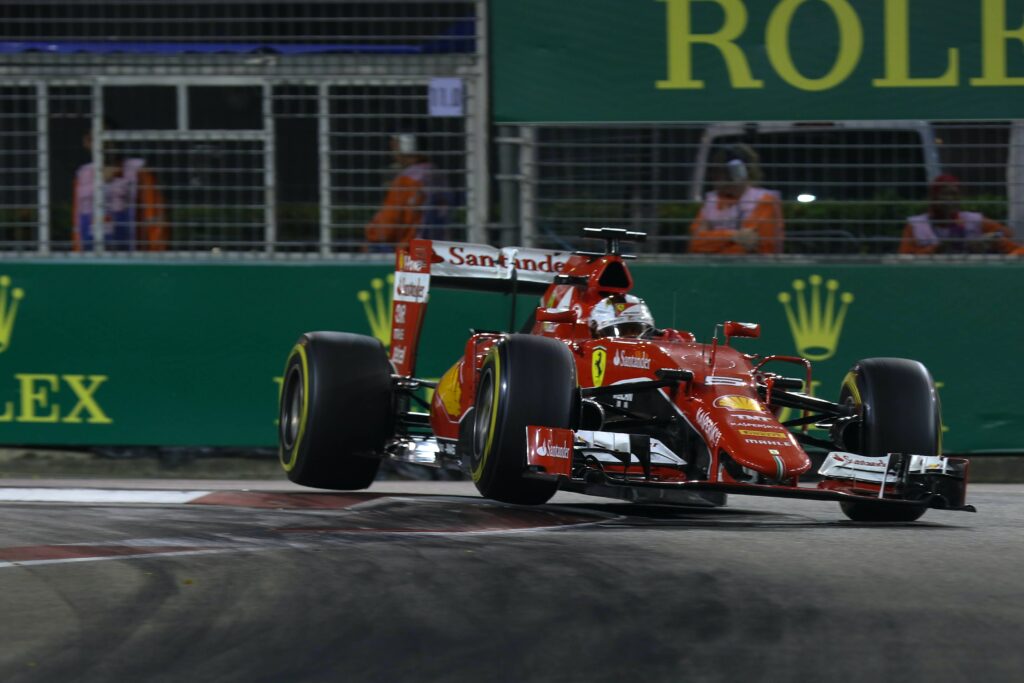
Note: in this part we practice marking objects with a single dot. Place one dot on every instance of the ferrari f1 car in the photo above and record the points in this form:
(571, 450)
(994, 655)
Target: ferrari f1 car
(595, 399)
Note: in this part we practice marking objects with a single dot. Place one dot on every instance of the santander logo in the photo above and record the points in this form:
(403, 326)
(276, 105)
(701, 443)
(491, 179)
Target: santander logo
(642, 361)
(861, 461)
(415, 265)
(538, 260)
(411, 287)
(550, 450)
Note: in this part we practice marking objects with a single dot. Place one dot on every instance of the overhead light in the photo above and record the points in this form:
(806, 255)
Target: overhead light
(805, 198)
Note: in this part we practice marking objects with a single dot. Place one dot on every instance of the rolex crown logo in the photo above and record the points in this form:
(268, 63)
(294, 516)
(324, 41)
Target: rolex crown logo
(378, 308)
(9, 299)
(817, 324)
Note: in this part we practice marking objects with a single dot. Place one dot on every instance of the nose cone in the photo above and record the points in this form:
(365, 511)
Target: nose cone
(759, 443)
(792, 462)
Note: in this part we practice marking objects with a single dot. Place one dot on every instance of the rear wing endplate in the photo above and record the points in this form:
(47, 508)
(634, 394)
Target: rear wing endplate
(463, 266)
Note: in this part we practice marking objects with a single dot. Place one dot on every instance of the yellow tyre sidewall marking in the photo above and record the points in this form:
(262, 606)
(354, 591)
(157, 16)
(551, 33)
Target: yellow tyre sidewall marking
(850, 383)
(479, 469)
(299, 349)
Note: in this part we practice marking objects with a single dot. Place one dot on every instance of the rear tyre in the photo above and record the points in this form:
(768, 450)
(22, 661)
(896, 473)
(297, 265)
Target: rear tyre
(525, 380)
(336, 411)
(900, 413)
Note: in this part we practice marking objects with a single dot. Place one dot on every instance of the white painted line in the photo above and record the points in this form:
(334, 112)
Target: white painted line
(103, 558)
(58, 495)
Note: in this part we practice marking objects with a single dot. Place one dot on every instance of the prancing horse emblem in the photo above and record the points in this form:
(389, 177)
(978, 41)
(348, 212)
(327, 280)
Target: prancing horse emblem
(598, 362)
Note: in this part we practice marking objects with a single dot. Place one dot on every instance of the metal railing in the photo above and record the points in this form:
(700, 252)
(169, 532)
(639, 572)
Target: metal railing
(846, 188)
(270, 129)
(237, 127)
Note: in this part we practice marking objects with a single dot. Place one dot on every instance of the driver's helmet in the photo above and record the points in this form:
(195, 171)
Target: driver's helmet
(622, 315)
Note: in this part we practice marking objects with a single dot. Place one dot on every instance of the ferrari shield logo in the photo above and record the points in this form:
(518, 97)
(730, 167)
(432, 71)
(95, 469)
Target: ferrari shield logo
(598, 362)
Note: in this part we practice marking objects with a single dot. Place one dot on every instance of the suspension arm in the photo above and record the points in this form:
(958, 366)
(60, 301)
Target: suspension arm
(786, 399)
(667, 378)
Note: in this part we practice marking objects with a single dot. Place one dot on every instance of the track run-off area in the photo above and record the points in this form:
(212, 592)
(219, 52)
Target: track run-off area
(426, 581)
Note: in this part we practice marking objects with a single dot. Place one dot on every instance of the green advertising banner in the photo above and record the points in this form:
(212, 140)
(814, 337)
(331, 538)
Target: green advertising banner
(715, 60)
(146, 354)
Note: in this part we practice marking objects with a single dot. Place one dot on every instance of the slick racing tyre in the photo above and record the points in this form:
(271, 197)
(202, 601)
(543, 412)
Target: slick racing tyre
(336, 412)
(525, 380)
(899, 411)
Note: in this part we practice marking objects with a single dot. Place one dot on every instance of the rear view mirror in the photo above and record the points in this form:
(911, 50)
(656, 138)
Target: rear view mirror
(556, 315)
(735, 329)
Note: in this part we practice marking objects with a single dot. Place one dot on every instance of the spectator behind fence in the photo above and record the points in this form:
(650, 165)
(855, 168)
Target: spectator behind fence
(945, 229)
(416, 202)
(737, 217)
(134, 213)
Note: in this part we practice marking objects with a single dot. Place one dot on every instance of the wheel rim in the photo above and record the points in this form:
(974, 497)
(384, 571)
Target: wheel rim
(291, 408)
(482, 413)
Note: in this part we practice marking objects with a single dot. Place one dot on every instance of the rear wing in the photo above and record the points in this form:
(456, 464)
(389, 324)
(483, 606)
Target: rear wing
(459, 265)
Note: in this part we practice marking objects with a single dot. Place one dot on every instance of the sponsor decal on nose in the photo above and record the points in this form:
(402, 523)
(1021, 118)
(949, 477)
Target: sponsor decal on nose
(711, 430)
(769, 435)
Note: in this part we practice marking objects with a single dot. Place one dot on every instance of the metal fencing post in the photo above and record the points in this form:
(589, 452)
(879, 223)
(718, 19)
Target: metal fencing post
(528, 186)
(323, 129)
(477, 143)
(43, 166)
(269, 171)
(181, 99)
(508, 179)
(477, 172)
(1015, 179)
(98, 221)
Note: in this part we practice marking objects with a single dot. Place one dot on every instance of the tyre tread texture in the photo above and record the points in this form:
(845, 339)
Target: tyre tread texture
(538, 387)
(350, 411)
(901, 414)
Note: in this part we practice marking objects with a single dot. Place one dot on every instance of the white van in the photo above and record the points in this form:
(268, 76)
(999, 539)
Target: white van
(831, 161)
(846, 186)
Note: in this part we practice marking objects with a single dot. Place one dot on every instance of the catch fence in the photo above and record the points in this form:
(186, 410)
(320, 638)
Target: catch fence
(846, 188)
(270, 129)
(261, 127)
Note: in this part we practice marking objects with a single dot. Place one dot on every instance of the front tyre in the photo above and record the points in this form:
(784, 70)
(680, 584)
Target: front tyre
(899, 413)
(336, 410)
(525, 380)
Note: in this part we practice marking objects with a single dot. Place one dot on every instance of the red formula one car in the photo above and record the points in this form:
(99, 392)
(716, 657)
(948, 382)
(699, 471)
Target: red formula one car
(595, 399)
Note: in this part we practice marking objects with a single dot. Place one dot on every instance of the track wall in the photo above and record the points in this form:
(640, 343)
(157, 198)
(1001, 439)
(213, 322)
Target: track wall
(191, 354)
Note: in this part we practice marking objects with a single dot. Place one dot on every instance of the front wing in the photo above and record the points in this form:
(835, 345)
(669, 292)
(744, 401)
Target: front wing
(645, 476)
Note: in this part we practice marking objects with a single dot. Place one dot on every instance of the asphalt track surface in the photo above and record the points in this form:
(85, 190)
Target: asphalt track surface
(417, 581)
